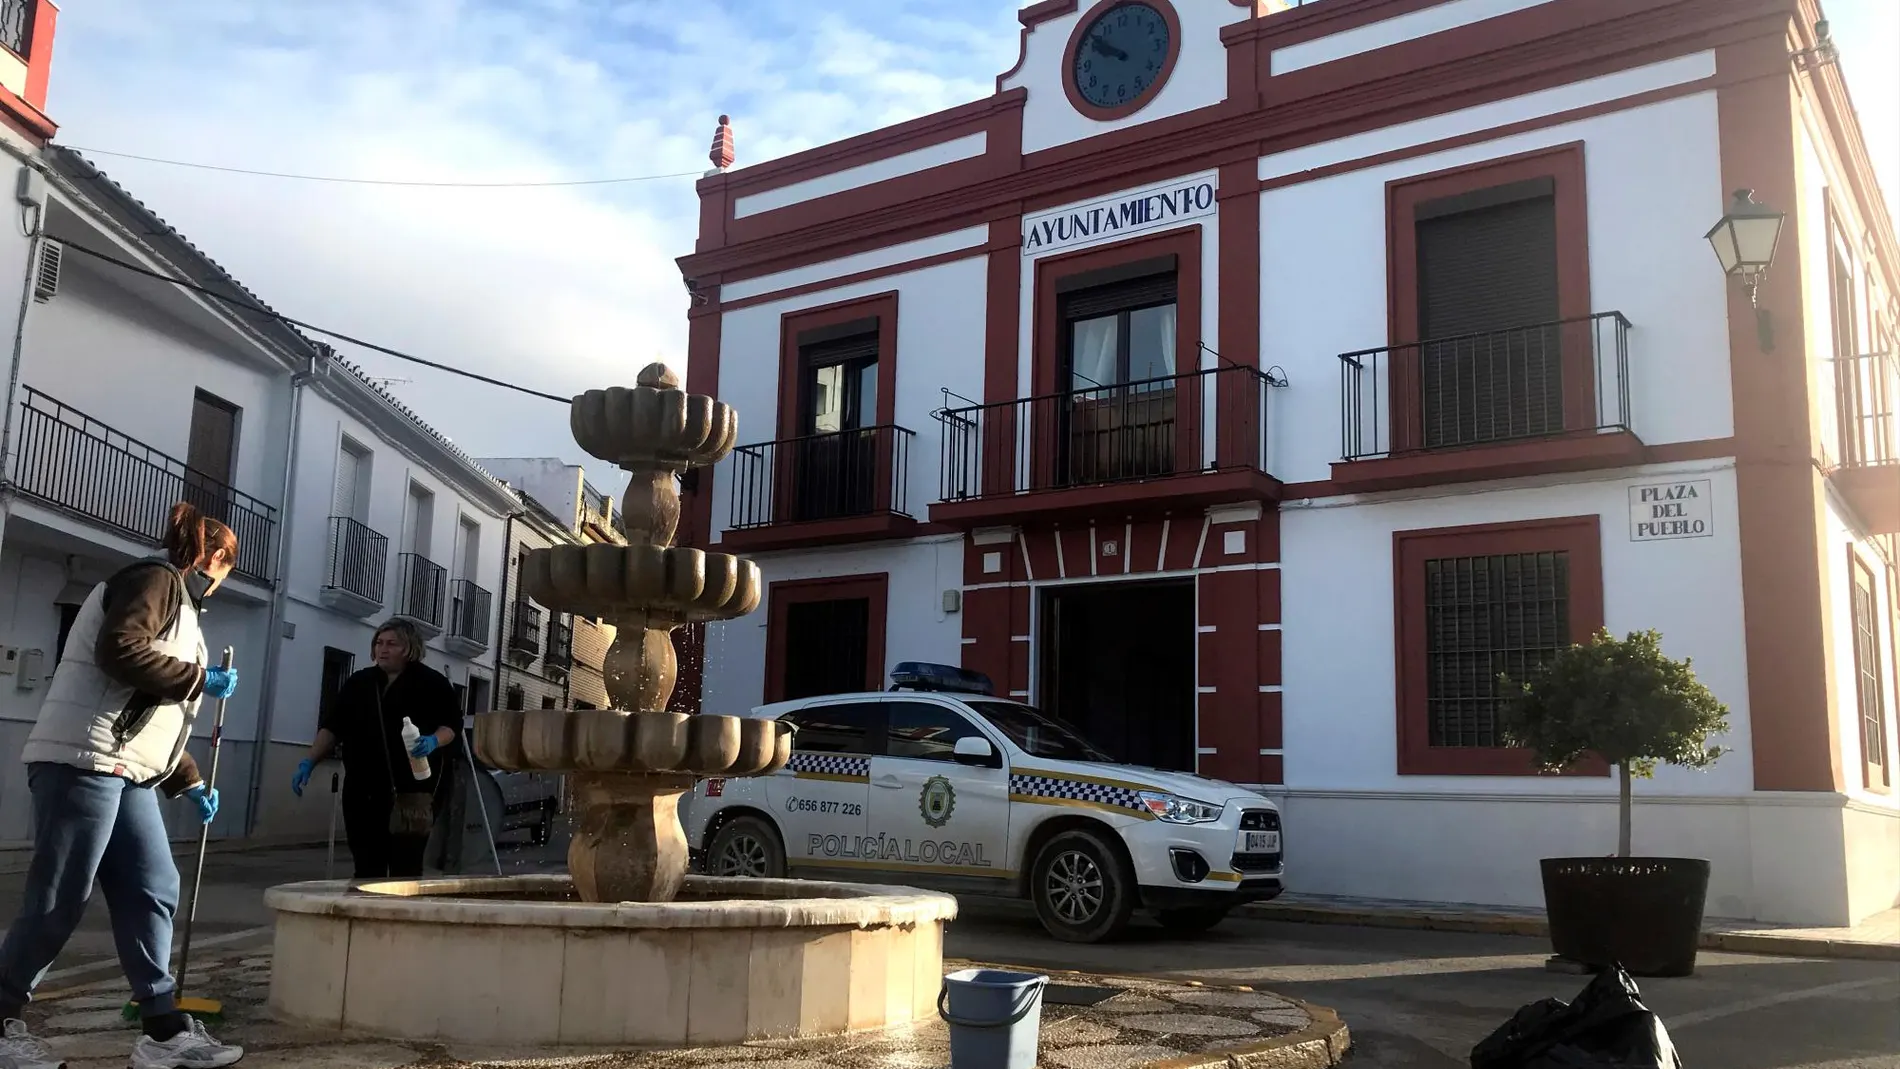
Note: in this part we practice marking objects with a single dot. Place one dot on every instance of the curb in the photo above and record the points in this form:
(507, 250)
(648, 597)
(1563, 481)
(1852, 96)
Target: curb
(1765, 943)
(1322, 1044)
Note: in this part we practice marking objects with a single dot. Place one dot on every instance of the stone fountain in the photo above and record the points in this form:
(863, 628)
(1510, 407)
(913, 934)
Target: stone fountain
(628, 948)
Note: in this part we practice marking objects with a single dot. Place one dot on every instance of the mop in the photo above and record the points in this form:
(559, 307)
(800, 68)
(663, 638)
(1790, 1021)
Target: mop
(208, 1010)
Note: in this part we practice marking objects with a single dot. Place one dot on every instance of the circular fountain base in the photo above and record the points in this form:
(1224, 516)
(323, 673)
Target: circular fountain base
(520, 960)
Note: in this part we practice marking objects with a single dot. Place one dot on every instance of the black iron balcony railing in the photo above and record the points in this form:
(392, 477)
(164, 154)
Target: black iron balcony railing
(16, 26)
(421, 584)
(822, 477)
(560, 648)
(1529, 382)
(468, 611)
(1211, 420)
(359, 559)
(1867, 388)
(72, 461)
(524, 628)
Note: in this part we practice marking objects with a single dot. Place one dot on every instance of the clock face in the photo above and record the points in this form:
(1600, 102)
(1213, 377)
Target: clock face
(1121, 56)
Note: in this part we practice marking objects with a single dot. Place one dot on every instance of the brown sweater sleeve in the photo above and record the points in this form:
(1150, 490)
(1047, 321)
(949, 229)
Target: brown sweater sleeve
(140, 603)
(183, 778)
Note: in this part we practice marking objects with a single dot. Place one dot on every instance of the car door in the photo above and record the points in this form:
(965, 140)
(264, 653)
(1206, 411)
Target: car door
(930, 812)
(819, 798)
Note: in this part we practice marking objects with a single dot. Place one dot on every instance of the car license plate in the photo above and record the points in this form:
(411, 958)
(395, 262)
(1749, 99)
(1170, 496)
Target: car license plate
(1259, 842)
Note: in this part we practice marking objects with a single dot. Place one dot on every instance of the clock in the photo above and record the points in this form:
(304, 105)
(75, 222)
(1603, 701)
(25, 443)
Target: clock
(1121, 53)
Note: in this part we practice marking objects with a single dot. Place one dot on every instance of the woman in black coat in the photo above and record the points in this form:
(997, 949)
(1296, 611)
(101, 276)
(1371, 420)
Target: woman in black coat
(387, 812)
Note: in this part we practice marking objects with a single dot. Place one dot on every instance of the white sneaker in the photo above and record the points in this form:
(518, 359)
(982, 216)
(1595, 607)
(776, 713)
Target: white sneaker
(194, 1048)
(19, 1049)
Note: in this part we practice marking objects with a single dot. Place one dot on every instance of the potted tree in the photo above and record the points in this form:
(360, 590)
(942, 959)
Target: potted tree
(1631, 705)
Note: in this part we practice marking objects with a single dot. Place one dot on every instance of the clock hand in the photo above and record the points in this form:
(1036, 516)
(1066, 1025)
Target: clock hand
(1107, 49)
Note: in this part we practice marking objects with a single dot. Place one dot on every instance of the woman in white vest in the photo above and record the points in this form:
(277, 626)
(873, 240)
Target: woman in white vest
(111, 734)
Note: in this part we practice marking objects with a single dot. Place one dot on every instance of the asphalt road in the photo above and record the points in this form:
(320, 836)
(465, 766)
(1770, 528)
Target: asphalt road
(1420, 1000)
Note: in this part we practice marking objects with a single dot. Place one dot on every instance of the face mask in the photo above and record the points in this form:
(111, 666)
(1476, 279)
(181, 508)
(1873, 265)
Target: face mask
(198, 584)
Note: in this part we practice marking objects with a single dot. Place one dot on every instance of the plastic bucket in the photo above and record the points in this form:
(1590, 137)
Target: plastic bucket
(995, 1018)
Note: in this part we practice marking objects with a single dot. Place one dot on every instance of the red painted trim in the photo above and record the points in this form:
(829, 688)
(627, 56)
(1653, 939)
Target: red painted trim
(782, 595)
(1578, 451)
(23, 117)
(39, 48)
(881, 307)
(1087, 22)
(870, 275)
(1668, 453)
(702, 377)
(1580, 536)
(1181, 495)
(879, 527)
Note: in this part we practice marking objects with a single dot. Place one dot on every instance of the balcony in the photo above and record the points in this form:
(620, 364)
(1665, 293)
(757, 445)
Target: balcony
(1183, 441)
(420, 585)
(1550, 397)
(1867, 473)
(75, 463)
(16, 26)
(560, 648)
(468, 618)
(524, 632)
(359, 561)
(821, 489)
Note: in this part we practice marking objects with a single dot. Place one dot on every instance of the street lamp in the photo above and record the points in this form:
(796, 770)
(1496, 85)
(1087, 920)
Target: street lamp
(1744, 242)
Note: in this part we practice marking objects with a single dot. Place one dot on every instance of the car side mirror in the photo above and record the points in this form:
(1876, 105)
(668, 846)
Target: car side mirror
(975, 750)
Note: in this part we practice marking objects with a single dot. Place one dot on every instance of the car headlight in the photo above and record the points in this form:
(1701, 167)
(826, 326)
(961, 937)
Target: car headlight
(1178, 810)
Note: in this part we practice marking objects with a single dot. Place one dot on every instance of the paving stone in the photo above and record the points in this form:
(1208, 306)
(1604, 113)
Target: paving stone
(1110, 1056)
(93, 1045)
(1233, 1000)
(1135, 1004)
(1190, 1024)
(1288, 1018)
(1078, 1031)
(102, 1020)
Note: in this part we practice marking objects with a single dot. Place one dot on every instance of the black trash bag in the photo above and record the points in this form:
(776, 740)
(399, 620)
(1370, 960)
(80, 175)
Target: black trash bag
(1607, 1027)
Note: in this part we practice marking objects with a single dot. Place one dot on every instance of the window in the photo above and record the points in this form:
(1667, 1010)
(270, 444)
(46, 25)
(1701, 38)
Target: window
(338, 665)
(547, 701)
(1120, 330)
(68, 616)
(351, 493)
(825, 636)
(468, 549)
(210, 453)
(419, 523)
(585, 705)
(516, 698)
(1869, 685)
(850, 728)
(1489, 265)
(837, 368)
(1037, 735)
(16, 26)
(1476, 602)
(925, 732)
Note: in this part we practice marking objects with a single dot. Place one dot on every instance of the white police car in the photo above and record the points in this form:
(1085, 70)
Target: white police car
(937, 784)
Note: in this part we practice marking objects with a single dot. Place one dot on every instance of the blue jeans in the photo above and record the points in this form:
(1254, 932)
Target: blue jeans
(87, 825)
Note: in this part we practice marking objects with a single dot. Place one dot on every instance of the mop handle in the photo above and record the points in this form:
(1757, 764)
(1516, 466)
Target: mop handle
(204, 838)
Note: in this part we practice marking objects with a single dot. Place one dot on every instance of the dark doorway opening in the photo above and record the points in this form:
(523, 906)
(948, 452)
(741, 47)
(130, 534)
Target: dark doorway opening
(338, 666)
(826, 646)
(1118, 665)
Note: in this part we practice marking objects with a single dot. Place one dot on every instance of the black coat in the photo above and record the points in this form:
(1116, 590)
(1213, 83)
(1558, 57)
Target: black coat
(366, 719)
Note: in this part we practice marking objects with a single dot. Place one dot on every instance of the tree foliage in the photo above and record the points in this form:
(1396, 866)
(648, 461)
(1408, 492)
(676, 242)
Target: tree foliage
(1624, 700)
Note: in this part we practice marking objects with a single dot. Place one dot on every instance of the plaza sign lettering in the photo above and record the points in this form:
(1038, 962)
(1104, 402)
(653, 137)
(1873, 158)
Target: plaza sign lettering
(1671, 510)
(891, 848)
(1119, 216)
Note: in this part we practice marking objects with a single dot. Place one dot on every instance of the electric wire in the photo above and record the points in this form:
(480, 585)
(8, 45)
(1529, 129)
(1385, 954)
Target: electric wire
(258, 309)
(413, 183)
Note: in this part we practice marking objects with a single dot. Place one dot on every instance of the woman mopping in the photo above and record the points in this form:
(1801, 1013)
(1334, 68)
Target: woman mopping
(112, 728)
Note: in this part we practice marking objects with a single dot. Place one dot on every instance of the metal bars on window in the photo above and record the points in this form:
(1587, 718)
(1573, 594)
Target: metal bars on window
(850, 473)
(358, 559)
(16, 26)
(421, 584)
(1485, 617)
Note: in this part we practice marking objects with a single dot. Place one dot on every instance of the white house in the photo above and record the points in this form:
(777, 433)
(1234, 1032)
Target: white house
(1250, 384)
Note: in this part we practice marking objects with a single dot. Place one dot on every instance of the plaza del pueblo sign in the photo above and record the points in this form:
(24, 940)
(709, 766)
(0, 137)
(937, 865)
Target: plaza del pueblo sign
(1120, 215)
(1671, 510)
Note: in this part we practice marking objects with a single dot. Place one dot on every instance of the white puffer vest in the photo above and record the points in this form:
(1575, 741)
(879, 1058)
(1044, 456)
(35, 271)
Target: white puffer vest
(97, 723)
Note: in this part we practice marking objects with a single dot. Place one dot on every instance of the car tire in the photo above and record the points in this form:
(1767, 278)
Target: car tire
(1083, 890)
(1191, 921)
(746, 846)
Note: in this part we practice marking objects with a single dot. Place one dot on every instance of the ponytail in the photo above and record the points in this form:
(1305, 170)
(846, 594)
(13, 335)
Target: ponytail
(191, 537)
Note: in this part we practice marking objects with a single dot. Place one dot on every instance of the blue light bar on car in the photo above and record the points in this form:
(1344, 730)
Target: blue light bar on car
(922, 675)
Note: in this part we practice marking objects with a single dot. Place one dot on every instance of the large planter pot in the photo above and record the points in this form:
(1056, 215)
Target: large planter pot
(1644, 913)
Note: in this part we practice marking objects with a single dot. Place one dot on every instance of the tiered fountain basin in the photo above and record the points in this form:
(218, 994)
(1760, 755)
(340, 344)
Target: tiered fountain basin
(520, 960)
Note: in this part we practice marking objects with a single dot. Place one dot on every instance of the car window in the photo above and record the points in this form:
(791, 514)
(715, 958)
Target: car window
(1035, 734)
(924, 731)
(846, 728)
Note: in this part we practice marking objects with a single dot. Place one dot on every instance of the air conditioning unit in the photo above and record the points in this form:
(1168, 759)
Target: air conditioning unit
(46, 277)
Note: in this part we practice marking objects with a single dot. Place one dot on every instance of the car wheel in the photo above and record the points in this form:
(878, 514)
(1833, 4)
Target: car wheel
(746, 846)
(1082, 890)
(1192, 921)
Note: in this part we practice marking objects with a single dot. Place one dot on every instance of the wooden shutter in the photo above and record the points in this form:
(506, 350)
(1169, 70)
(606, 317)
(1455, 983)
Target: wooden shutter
(349, 465)
(1117, 296)
(840, 350)
(1489, 365)
(213, 442)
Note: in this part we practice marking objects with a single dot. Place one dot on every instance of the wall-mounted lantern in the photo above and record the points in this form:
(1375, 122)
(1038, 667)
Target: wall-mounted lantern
(1745, 242)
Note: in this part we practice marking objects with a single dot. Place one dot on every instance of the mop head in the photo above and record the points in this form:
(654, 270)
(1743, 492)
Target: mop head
(208, 1010)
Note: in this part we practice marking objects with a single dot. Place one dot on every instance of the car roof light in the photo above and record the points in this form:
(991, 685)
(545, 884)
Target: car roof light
(923, 675)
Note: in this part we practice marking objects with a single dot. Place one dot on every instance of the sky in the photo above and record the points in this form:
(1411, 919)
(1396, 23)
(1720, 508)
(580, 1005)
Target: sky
(558, 289)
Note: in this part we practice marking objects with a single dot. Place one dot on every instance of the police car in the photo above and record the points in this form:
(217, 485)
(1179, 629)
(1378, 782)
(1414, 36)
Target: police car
(936, 783)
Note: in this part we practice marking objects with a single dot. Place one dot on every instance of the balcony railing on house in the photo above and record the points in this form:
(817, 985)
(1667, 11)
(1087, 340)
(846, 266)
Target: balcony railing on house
(1867, 388)
(1540, 381)
(70, 460)
(16, 25)
(359, 559)
(1211, 420)
(560, 648)
(420, 585)
(822, 477)
(524, 628)
(468, 612)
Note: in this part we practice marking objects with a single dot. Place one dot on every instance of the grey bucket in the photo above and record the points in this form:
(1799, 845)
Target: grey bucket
(995, 1018)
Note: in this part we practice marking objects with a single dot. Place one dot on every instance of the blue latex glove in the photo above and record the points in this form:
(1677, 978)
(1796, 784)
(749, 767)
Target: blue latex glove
(206, 799)
(302, 779)
(425, 746)
(220, 682)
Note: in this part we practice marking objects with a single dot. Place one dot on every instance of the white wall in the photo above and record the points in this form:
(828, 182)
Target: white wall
(551, 481)
(916, 627)
(940, 335)
(1653, 185)
(1199, 78)
(1337, 595)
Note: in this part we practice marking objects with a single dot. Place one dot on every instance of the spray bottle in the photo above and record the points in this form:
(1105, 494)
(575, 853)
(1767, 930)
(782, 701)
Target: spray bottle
(418, 766)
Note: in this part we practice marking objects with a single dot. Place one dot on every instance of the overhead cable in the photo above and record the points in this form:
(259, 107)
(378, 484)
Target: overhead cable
(417, 183)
